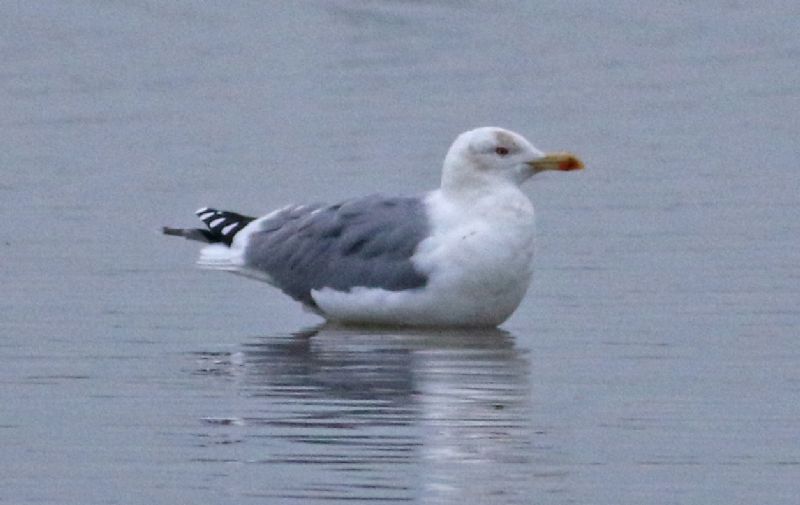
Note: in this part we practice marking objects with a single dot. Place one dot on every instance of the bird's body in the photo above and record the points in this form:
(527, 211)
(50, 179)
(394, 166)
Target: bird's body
(460, 255)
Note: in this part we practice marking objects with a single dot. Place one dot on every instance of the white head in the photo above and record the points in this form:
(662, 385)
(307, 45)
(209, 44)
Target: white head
(490, 155)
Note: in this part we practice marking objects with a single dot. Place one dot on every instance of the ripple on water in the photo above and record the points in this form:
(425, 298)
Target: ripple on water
(387, 415)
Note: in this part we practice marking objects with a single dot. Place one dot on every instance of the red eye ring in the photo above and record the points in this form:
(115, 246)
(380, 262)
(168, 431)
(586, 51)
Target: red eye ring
(502, 151)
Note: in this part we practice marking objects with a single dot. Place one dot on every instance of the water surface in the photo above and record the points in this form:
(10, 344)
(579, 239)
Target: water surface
(655, 359)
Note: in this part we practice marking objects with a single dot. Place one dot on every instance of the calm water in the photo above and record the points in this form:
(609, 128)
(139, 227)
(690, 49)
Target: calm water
(655, 360)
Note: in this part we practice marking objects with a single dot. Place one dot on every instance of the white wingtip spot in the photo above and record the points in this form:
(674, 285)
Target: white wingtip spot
(206, 215)
(215, 222)
(201, 210)
(228, 228)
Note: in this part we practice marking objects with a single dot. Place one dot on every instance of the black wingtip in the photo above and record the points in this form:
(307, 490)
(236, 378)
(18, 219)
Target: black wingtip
(222, 225)
(189, 234)
(177, 232)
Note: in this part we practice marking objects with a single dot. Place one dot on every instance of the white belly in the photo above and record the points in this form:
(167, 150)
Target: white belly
(479, 268)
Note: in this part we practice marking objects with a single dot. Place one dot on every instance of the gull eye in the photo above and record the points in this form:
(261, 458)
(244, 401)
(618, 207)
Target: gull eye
(501, 151)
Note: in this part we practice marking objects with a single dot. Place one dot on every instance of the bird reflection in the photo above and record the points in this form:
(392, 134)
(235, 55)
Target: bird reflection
(392, 414)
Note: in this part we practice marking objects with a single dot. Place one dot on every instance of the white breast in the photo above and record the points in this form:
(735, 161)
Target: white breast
(479, 255)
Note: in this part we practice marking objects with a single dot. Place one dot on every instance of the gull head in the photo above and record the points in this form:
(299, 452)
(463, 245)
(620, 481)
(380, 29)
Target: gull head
(490, 156)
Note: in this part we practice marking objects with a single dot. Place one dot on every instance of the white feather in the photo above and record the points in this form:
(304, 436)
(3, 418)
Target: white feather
(231, 259)
(218, 257)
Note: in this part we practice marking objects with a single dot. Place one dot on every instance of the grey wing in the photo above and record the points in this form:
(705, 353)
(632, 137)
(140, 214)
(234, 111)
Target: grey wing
(363, 242)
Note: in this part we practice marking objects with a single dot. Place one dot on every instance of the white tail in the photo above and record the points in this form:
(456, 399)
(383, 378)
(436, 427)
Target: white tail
(226, 259)
(219, 257)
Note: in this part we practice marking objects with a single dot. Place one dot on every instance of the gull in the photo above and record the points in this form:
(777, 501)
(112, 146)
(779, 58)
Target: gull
(458, 256)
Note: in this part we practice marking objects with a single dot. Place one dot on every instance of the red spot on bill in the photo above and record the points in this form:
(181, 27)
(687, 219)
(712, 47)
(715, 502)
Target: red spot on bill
(570, 163)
